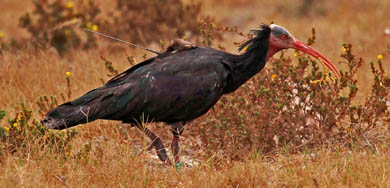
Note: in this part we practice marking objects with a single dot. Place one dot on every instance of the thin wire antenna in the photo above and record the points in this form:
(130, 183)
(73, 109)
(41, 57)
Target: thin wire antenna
(120, 40)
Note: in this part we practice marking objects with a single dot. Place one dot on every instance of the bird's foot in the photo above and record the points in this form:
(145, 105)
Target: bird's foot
(162, 155)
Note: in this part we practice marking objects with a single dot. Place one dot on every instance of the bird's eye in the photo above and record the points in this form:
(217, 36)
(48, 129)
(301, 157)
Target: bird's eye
(283, 37)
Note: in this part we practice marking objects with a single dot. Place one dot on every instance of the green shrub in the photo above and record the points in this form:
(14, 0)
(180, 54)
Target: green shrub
(297, 107)
(22, 136)
(55, 24)
(152, 21)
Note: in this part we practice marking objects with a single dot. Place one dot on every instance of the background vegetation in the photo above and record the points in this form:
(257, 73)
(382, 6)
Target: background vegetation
(292, 125)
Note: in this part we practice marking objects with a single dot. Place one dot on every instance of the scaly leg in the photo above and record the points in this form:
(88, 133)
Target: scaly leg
(156, 143)
(177, 130)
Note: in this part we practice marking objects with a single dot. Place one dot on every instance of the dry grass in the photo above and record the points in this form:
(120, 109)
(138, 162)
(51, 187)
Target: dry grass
(114, 159)
(120, 166)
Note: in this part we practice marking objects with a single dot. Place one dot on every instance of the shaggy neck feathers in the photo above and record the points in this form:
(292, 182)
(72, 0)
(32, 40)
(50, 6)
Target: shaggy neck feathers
(252, 60)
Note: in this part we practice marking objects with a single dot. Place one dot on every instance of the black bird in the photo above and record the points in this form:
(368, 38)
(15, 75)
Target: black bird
(176, 87)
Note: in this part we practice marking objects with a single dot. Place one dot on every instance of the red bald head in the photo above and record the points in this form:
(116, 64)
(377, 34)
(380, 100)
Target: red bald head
(281, 39)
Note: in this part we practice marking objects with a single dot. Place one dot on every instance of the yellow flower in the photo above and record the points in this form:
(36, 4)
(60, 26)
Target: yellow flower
(295, 54)
(69, 5)
(89, 25)
(380, 57)
(245, 48)
(1, 34)
(273, 76)
(15, 125)
(6, 129)
(315, 81)
(67, 74)
(325, 77)
(345, 49)
(95, 27)
(67, 32)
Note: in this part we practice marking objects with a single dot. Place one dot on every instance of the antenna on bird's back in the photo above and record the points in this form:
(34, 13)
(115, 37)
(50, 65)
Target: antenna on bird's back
(120, 40)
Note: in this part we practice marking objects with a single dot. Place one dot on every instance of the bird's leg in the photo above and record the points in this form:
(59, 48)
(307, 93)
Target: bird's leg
(177, 130)
(156, 143)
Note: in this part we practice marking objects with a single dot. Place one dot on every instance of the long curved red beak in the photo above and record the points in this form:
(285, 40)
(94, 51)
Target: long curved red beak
(298, 45)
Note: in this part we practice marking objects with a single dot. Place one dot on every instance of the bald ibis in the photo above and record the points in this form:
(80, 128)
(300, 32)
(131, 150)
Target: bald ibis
(176, 87)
